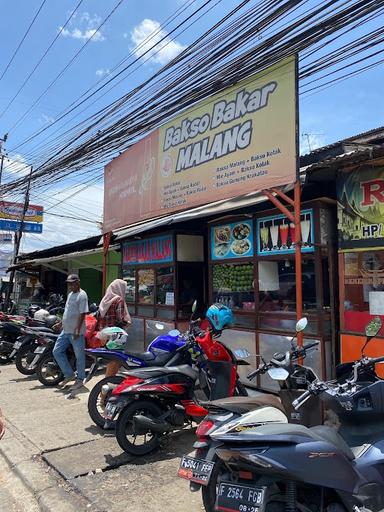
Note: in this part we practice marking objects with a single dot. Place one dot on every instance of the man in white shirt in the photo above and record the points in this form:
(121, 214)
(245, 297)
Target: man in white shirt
(73, 330)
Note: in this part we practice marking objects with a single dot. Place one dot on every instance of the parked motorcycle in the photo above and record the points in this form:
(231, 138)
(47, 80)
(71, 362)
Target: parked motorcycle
(241, 413)
(152, 402)
(331, 468)
(13, 327)
(33, 337)
(161, 351)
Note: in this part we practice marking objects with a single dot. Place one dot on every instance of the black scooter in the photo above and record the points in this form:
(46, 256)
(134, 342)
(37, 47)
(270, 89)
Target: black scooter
(324, 468)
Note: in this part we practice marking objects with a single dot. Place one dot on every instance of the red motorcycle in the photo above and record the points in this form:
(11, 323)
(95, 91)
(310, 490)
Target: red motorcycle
(152, 402)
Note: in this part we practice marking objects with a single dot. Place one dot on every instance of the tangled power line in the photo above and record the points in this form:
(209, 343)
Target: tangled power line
(246, 40)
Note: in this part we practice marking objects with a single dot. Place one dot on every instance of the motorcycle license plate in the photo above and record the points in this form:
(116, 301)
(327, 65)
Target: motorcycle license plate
(195, 470)
(110, 410)
(17, 345)
(240, 498)
(39, 350)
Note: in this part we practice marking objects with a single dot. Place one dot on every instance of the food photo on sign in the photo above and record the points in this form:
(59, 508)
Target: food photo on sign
(233, 240)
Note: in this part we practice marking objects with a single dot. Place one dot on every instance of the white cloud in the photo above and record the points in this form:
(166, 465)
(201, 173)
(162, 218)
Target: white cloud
(102, 72)
(83, 27)
(44, 118)
(146, 34)
(311, 141)
(15, 164)
(61, 230)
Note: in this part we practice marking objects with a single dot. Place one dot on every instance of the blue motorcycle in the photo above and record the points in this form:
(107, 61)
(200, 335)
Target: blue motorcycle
(162, 351)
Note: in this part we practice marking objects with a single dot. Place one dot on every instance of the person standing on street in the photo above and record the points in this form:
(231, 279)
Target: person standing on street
(73, 330)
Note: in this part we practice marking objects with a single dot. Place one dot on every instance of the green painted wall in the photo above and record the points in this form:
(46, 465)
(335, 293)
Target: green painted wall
(91, 279)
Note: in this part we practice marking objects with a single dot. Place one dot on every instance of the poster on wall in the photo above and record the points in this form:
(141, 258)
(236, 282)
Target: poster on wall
(360, 208)
(233, 240)
(276, 234)
(239, 140)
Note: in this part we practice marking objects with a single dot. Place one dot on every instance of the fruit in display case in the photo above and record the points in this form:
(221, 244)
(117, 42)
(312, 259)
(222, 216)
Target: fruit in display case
(233, 278)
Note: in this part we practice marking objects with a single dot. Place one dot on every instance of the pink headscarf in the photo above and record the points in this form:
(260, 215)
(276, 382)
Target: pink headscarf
(117, 288)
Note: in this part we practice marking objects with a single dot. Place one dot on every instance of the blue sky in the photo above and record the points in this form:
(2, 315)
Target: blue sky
(351, 107)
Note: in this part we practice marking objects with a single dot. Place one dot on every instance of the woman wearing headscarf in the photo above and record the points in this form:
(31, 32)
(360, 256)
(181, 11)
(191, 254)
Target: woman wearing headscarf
(113, 312)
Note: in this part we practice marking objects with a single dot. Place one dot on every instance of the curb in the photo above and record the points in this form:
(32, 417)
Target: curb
(52, 493)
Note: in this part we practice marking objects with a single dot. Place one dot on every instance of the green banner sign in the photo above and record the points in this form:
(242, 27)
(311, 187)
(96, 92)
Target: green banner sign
(360, 208)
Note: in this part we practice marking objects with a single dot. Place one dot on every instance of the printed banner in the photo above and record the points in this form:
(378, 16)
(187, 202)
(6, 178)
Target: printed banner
(240, 140)
(14, 211)
(276, 234)
(14, 225)
(360, 208)
(152, 250)
(232, 241)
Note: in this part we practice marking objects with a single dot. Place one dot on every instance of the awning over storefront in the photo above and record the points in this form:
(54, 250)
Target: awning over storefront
(225, 206)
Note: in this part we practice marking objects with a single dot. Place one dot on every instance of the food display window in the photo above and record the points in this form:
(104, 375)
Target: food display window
(253, 271)
(232, 273)
(361, 258)
(164, 274)
(363, 279)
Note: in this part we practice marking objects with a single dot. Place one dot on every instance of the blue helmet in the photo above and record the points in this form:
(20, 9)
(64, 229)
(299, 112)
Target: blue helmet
(219, 316)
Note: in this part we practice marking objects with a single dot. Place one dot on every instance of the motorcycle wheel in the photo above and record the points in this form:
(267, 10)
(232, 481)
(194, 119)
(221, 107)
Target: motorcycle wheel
(209, 492)
(21, 360)
(129, 441)
(95, 406)
(48, 371)
(5, 359)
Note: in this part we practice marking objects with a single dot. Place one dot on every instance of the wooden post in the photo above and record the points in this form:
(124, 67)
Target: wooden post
(298, 259)
(106, 244)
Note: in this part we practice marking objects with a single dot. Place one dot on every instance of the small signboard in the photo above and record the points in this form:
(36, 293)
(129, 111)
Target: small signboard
(6, 238)
(14, 225)
(152, 250)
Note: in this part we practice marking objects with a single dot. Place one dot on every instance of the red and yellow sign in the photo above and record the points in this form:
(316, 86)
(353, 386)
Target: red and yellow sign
(14, 211)
(240, 140)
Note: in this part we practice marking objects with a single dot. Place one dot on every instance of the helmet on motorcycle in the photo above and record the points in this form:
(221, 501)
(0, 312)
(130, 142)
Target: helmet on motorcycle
(93, 308)
(106, 333)
(32, 310)
(51, 320)
(41, 314)
(117, 338)
(219, 317)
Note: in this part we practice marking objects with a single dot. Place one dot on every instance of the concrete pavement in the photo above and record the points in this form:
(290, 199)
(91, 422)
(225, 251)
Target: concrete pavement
(64, 462)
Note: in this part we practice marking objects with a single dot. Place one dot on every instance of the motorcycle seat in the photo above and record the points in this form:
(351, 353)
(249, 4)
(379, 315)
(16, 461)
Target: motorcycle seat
(244, 404)
(40, 328)
(146, 373)
(152, 359)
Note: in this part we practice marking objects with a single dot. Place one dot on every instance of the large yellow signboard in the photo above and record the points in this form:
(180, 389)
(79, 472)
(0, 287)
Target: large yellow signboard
(238, 141)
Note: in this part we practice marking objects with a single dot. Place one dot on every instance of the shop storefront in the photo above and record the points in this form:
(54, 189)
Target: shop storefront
(165, 274)
(361, 256)
(246, 262)
(252, 270)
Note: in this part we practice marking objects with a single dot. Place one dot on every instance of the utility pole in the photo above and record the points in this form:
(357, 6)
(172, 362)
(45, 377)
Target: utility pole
(18, 236)
(2, 155)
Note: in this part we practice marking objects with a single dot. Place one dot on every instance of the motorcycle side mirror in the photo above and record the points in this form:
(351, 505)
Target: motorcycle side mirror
(301, 324)
(373, 327)
(159, 327)
(242, 353)
(174, 333)
(278, 373)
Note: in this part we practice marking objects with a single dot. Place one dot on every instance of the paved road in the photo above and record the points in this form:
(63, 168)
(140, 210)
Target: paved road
(85, 459)
(14, 497)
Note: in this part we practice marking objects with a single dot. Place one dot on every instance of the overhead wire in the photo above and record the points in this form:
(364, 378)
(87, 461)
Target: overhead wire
(69, 63)
(29, 76)
(124, 122)
(111, 77)
(23, 39)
